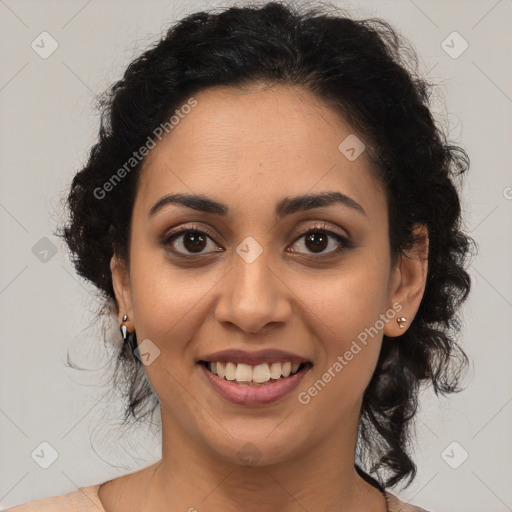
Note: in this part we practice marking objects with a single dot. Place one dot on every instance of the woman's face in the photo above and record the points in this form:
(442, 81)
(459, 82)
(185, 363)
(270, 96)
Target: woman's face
(252, 280)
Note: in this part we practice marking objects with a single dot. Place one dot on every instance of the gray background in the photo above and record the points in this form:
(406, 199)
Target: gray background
(47, 126)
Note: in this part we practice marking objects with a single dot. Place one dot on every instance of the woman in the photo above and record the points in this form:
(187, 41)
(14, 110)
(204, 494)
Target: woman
(271, 213)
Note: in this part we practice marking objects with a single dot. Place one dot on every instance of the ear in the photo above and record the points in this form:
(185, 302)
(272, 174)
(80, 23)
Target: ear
(408, 281)
(122, 290)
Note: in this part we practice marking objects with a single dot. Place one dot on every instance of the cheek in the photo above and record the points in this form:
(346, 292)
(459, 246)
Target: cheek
(347, 301)
(348, 344)
(168, 302)
(344, 314)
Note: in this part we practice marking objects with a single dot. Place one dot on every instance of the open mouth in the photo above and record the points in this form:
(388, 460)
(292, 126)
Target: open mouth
(255, 375)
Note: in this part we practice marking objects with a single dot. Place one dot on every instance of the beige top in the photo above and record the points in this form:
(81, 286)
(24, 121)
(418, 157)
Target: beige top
(86, 499)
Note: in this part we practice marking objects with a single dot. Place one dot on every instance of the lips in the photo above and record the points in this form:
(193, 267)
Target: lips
(253, 358)
(257, 395)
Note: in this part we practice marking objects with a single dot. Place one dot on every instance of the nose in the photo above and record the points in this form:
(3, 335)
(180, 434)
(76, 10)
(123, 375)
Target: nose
(253, 295)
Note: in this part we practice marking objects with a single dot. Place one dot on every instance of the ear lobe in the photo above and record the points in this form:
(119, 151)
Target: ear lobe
(122, 289)
(409, 281)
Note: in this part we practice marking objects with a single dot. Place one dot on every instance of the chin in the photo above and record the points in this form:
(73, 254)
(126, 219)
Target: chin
(258, 450)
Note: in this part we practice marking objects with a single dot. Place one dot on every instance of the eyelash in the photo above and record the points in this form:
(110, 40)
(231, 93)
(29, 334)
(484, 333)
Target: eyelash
(343, 242)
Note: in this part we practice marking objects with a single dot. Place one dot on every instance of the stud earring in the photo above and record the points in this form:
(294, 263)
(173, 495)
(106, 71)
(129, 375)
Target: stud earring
(401, 321)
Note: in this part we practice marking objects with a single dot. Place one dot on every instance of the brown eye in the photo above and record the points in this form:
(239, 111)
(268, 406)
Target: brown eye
(193, 241)
(188, 241)
(317, 241)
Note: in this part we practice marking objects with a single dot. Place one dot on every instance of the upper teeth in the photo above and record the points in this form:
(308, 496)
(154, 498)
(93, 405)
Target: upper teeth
(247, 373)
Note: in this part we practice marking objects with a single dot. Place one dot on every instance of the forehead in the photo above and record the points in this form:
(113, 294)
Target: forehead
(260, 143)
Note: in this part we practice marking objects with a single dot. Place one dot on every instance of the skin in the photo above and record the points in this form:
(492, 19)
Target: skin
(248, 148)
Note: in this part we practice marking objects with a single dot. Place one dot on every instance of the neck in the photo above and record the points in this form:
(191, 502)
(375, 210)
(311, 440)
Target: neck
(192, 477)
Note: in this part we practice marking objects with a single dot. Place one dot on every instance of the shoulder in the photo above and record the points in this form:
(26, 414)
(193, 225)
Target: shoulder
(396, 505)
(84, 499)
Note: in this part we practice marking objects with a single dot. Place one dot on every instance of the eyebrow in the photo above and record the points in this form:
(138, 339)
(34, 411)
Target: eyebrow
(286, 206)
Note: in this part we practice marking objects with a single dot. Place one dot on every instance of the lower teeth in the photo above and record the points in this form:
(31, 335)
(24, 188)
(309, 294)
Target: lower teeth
(251, 383)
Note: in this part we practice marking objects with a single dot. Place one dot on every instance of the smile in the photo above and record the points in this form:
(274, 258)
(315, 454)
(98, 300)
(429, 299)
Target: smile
(253, 374)
(245, 384)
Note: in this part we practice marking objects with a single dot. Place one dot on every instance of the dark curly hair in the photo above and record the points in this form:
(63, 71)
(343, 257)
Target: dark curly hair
(365, 71)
